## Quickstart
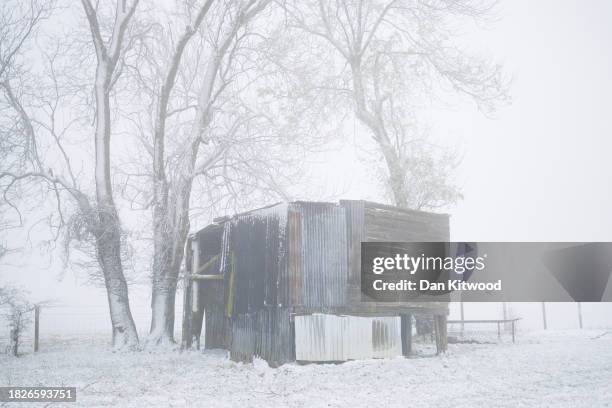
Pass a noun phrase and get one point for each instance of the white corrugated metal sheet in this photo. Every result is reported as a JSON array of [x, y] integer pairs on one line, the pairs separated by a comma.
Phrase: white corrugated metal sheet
[[323, 337]]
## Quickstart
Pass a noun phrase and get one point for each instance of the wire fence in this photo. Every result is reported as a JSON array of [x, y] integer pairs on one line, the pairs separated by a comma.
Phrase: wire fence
[[62, 326], [483, 331], [537, 315]]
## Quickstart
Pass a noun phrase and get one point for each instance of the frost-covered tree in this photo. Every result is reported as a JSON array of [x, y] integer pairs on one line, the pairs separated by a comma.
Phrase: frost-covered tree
[[17, 310], [387, 59], [107, 226], [207, 135], [42, 135], [185, 82], [170, 209]]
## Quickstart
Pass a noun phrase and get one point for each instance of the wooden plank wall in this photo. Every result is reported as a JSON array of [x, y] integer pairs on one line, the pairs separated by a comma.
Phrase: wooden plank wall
[[374, 222], [386, 223]]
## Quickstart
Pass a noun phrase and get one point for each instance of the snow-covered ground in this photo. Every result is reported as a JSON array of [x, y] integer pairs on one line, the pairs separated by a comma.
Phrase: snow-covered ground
[[556, 369]]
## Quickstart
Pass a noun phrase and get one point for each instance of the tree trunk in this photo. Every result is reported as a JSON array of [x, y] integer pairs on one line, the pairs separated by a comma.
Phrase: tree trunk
[[162, 313], [397, 175], [372, 119], [106, 225], [14, 342], [171, 219], [163, 287], [168, 242], [108, 231], [168, 257], [171, 211], [108, 246]]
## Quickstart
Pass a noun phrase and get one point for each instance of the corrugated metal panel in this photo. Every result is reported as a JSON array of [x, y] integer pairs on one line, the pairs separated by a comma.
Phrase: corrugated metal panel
[[386, 337], [355, 235], [323, 337], [257, 242], [244, 337], [259, 324], [251, 321], [275, 344], [291, 277], [324, 263], [216, 334], [265, 333]]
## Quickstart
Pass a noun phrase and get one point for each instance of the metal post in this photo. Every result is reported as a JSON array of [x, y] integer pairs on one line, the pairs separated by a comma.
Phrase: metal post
[[579, 314], [544, 315], [505, 315], [462, 318], [513, 321], [406, 333], [436, 333], [498, 331], [36, 326]]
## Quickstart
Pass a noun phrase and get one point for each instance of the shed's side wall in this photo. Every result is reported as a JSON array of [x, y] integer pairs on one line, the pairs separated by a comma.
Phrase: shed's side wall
[[248, 311]]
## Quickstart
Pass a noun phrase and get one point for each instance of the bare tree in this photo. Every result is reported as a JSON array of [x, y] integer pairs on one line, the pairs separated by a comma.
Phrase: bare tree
[[18, 24], [206, 132], [40, 155], [18, 312], [216, 136], [108, 231], [167, 254], [395, 55], [202, 125]]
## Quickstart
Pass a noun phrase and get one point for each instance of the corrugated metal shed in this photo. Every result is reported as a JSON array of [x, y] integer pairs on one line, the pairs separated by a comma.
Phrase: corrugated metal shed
[[303, 258]]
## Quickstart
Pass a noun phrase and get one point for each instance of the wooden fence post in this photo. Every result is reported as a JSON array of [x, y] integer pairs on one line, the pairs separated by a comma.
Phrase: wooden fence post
[[192, 249], [36, 326], [440, 323], [14, 342], [462, 318]]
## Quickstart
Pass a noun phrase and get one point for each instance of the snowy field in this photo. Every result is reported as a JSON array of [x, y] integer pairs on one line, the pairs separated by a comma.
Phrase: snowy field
[[555, 369]]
